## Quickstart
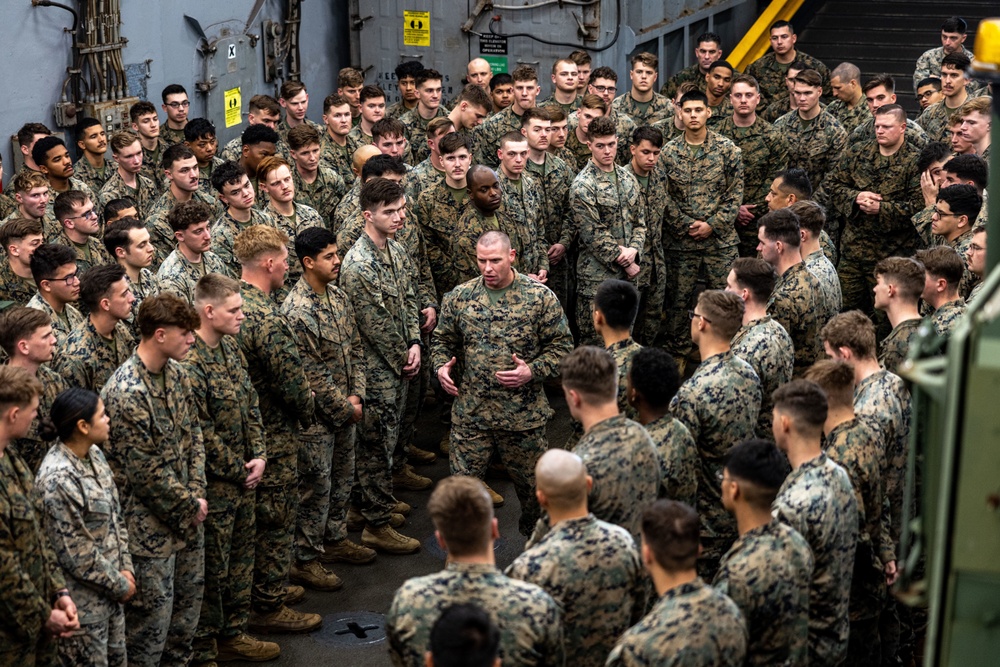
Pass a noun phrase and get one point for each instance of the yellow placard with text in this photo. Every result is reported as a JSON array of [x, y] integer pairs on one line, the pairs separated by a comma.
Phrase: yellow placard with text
[[416, 28], [234, 107]]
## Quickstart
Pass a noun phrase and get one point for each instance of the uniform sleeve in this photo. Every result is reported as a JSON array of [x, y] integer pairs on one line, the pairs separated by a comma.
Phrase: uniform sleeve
[[279, 355], [555, 339], [197, 483], [839, 183], [427, 292], [731, 197], [334, 406], [71, 365], [896, 213], [923, 68], [24, 608], [219, 456], [445, 339], [358, 377], [372, 315], [592, 229], [675, 219], [684, 409]]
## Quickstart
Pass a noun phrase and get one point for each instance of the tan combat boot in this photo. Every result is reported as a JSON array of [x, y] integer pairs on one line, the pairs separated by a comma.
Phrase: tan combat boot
[[385, 538], [356, 522], [245, 647], [284, 621], [346, 551], [494, 496], [294, 594], [401, 508], [410, 480], [312, 574], [421, 456]]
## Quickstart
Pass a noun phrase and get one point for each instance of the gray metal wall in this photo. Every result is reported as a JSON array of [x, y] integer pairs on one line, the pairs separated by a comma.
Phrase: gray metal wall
[[35, 51]]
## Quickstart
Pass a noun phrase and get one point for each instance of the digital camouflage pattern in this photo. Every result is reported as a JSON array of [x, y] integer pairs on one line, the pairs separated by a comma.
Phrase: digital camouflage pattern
[[146, 287], [929, 64], [678, 459], [170, 136], [849, 118], [820, 266], [348, 208], [622, 352], [88, 255], [522, 202], [894, 348], [283, 128], [934, 121], [471, 224], [817, 500], [593, 571], [770, 75], [530, 621], [914, 135], [652, 271], [814, 146], [767, 347], [797, 304], [89, 359], [302, 217], [416, 133], [719, 113], [225, 230], [179, 275], [691, 625], [554, 178], [62, 323], [233, 151], [767, 573], [94, 178], [337, 158], [323, 194], [947, 315], [691, 73], [32, 448], [144, 194], [160, 233], [567, 108], [486, 136], [438, 212], [643, 113], [152, 165], [13, 287]]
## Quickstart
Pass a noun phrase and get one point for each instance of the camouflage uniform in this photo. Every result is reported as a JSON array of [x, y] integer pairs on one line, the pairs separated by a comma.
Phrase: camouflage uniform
[[567, 108], [144, 195], [337, 158], [849, 118], [347, 208], [62, 323], [396, 109], [283, 128], [767, 573], [226, 229], [817, 500], [934, 121], [579, 149], [869, 238], [83, 523], [32, 448], [152, 167], [797, 304], [815, 145], [894, 348], [593, 571], [554, 178], [691, 73], [822, 268], [947, 315], [171, 136], [929, 64], [766, 346], [285, 398], [142, 289], [719, 404], [88, 359], [527, 321], [180, 276], [160, 233], [486, 136], [974, 294], [706, 185], [472, 224], [229, 415], [522, 202], [334, 362], [607, 213], [381, 290], [302, 218], [652, 279], [719, 113], [51, 228], [233, 151], [691, 625], [93, 177], [915, 135], [764, 151], [529, 619], [29, 572], [622, 352], [567, 156], [643, 113], [770, 75], [678, 459], [13, 287], [7, 205], [323, 194], [74, 184], [416, 134], [89, 254], [158, 457]]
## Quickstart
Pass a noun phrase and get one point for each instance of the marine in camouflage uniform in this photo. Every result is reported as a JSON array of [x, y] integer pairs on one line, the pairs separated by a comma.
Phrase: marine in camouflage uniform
[[554, 178], [593, 571], [946, 316], [152, 167], [644, 113], [814, 146], [678, 459], [32, 448], [487, 417], [820, 266], [770, 75], [607, 214], [285, 398], [766, 346], [282, 128], [160, 233], [226, 229], [93, 177], [719, 113], [531, 256], [690, 73], [88, 255], [934, 121], [233, 151], [157, 454], [622, 352], [171, 136], [348, 208], [704, 183], [929, 64], [552, 101], [416, 133], [530, 621], [147, 286], [719, 405], [888, 233], [334, 361], [438, 212], [179, 275], [764, 151], [62, 323], [767, 573], [74, 184], [915, 135], [796, 303], [323, 194], [335, 157], [229, 414], [691, 625], [302, 217], [144, 194], [83, 522], [522, 202], [818, 501], [894, 348], [486, 136], [849, 118], [13, 287], [7, 205], [652, 279], [88, 359], [30, 574]]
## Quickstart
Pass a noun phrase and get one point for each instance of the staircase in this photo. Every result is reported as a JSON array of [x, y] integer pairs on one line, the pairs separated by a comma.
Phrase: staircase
[[884, 35]]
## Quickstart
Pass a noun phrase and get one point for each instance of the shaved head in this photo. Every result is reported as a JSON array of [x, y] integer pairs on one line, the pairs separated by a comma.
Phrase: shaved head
[[562, 477], [362, 155]]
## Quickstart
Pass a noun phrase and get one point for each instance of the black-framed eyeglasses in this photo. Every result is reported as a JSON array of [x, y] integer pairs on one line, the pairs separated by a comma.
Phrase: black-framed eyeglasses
[[942, 214], [693, 315], [605, 89], [91, 214], [71, 278], [926, 94], [179, 105]]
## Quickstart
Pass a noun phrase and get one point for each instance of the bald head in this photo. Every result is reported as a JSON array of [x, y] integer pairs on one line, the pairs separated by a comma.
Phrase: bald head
[[479, 73], [561, 477], [362, 155]]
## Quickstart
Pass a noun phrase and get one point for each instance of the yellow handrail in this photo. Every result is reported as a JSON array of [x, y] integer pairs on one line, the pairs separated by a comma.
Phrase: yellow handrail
[[757, 40]]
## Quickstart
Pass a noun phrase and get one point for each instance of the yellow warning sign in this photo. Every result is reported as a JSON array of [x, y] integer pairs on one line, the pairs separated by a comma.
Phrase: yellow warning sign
[[234, 107], [416, 28]]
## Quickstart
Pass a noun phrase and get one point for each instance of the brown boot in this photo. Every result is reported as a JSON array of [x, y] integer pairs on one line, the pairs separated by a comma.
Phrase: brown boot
[[245, 647], [346, 551], [385, 538], [356, 522], [410, 480], [294, 594], [312, 574], [445, 444], [420, 456], [494, 496], [284, 621], [401, 508]]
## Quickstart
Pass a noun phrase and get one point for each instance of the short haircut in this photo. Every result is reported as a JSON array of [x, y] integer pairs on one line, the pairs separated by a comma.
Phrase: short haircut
[[556, 113], [805, 402], [983, 104], [955, 24], [199, 128], [943, 261], [18, 323], [796, 181], [836, 378], [809, 77], [96, 282], [591, 101], [312, 241], [721, 63], [380, 165], [266, 103], [348, 77], [604, 72], [388, 127], [258, 240], [114, 207], [963, 200], [122, 140], [464, 636], [560, 61], [380, 192], [934, 151], [493, 237], [580, 57], [259, 134], [756, 276], [884, 80], [334, 100], [511, 137], [618, 302], [708, 37], [172, 89], [166, 309], [65, 202], [454, 141], [591, 372], [214, 287], [116, 234], [906, 273], [601, 127], [140, 109], [846, 72], [797, 66], [957, 60], [302, 135], [47, 259], [426, 75], [645, 58], [694, 95], [408, 69], [759, 468], [969, 168], [40, 151], [269, 164], [502, 79], [535, 113], [746, 79], [174, 154], [441, 125], [893, 110], [475, 96], [290, 89], [85, 124], [647, 133], [782, 24], [524, 73], [812, 217], [462, 513], [28, 180], [17, 387], [654, 374], [932, 81], [228, 173], [188, 214], [724, 310], [371, 92], [27, 133], [17, 229], [781, 225], [670, 529], [853, 330]]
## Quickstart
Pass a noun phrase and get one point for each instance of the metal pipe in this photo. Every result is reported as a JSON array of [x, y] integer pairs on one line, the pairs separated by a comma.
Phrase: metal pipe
[[49, 3], [544, 3]]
